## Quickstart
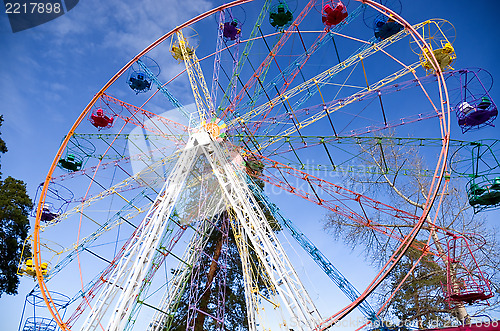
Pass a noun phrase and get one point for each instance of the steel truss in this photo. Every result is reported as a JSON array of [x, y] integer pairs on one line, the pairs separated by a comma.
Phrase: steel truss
[[125, 279]]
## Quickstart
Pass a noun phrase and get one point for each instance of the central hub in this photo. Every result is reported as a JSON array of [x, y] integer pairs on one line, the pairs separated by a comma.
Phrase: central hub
[[216, 128]]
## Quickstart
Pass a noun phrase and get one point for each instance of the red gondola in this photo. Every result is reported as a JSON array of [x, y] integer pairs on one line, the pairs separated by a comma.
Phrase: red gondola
[[101, 120], [466, 283], [333, 13]]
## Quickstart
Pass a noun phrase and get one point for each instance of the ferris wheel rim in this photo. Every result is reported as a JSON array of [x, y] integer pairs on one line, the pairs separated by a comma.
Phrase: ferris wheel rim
[[439, 171], [84, 113], [36, 249]]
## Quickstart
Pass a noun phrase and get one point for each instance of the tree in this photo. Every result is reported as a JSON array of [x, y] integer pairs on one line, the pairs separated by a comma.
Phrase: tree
[[15, 205], [235, 307], [219, 251], [419, 301], [235, 316], [399, 177]]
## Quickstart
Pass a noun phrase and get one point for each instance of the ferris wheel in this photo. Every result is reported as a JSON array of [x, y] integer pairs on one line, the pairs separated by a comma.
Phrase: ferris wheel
[[258, 95]]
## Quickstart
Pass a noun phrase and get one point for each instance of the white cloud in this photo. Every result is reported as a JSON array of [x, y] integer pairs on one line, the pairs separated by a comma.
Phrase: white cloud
[[123, 25]]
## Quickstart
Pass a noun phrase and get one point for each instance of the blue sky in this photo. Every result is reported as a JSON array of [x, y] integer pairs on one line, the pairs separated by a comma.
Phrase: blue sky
[[51, 72]]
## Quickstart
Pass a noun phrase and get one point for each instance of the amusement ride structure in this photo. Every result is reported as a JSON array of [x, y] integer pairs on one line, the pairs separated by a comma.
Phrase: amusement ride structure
[[300, 92]]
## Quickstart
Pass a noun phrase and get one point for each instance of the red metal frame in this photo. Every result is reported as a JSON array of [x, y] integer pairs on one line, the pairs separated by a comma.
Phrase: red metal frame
[[465, 282]]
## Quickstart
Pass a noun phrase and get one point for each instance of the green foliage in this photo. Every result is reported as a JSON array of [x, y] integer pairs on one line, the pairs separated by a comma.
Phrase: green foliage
[[3, 146], [235, 306], [235, 315], [420, 298], [14, 225], [15, 205]]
